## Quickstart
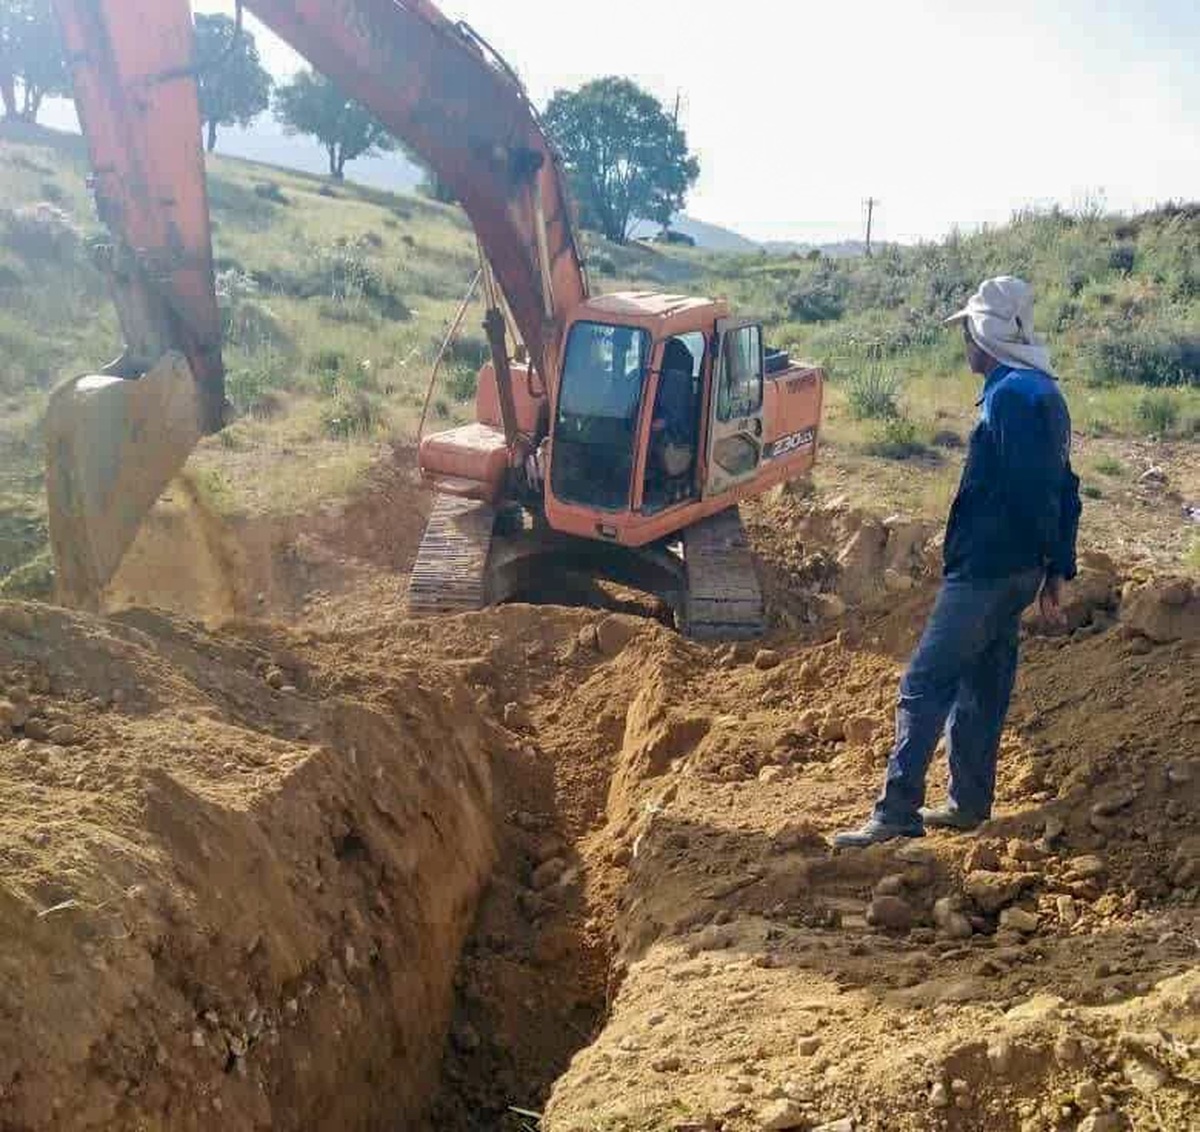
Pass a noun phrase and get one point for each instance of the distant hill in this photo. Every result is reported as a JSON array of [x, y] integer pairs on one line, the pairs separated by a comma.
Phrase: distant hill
[[266, 142], [843, 249]]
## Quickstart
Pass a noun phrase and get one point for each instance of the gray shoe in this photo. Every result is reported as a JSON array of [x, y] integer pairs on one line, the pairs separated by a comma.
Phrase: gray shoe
[[874, 833], [950, 817]]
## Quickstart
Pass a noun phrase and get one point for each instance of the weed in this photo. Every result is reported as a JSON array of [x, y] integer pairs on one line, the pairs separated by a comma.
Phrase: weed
[[41, 232], [462, 384], [1192, 559], [1091, 491], [467, 351], [1157, 413], [328, 360], [253, 389], [1122, 258], [1110, 466], [212, 488], [352, 413], [1146, 357], [32, 580], [349, 377], [818, 297], [896, 439], [270, 190], [873, 394]]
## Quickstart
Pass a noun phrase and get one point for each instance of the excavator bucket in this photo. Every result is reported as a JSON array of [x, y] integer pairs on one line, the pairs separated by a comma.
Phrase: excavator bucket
[[114, 442], [113, 445]]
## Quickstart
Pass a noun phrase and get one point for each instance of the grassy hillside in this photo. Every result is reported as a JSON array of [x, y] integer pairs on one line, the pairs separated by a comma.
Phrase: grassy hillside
[[1117, 298], [336, 299]]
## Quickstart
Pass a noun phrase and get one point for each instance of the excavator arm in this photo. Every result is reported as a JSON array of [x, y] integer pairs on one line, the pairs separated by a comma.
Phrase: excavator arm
[[114, 443]]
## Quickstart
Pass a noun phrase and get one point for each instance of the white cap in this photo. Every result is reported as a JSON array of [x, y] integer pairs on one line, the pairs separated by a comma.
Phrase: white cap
[[1000, 318]]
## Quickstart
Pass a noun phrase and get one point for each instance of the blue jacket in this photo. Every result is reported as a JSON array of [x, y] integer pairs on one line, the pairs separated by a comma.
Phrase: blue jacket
[[1017, 506]]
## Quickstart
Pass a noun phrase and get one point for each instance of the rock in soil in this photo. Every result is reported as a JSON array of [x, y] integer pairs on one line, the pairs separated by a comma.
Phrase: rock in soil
[[992, 891], [782, 1116], [890, 912], [1019, 920]]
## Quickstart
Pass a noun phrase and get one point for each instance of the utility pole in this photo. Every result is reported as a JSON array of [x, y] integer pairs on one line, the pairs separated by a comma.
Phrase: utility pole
[[871, 203]]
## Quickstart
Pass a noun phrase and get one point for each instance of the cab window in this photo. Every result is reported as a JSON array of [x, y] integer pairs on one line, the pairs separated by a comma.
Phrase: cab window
[[740, 383]]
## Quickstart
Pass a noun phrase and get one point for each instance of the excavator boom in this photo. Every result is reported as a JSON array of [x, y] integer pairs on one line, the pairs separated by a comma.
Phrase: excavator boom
[[116, 438]]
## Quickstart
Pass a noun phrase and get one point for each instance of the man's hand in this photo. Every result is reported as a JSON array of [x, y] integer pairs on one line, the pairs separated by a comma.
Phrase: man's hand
[[1050, 602]]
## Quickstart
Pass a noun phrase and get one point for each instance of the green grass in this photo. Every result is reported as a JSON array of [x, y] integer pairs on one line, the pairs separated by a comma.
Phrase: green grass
[[1191, 560], [335, 303], [1110, 466]]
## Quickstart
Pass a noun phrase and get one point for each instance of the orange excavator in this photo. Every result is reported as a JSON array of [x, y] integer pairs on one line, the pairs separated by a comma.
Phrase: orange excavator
[[615, 434]]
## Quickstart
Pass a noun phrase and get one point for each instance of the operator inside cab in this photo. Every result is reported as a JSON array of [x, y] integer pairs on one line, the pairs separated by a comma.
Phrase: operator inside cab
[[675, 425]]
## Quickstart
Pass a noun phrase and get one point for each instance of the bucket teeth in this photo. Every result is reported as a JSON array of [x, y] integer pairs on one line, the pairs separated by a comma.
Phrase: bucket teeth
[[723, 600], [450, 573]]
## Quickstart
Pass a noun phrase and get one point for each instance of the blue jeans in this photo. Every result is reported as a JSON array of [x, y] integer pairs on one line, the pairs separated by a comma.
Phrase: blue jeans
[[960, 679]]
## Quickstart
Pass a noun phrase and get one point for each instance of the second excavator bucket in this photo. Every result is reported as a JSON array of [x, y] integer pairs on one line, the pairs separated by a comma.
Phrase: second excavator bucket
[[113, 446]]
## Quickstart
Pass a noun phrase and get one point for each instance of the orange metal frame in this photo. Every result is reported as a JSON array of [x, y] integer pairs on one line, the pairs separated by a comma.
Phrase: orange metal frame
[[792, 403]]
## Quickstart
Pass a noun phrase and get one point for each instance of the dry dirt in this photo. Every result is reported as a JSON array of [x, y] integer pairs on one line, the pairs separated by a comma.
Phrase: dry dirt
[[276, 869]]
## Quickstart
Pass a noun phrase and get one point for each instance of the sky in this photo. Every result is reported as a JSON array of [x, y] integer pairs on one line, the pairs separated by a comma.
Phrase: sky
[[949, 113]]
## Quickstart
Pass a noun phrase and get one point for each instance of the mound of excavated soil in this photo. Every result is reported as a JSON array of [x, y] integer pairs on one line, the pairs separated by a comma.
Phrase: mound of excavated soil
[[234, 875], [1041, 974], [258, 876]]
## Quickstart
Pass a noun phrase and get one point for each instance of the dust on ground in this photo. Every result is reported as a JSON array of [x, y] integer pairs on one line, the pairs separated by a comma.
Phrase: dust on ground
[[357, 869]]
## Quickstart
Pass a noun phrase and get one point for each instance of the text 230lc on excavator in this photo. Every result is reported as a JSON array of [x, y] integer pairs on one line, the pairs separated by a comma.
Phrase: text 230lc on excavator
[[618, 446]]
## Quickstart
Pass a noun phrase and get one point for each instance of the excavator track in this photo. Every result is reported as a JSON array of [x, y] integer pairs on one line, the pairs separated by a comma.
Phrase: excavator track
[[450, 573], [723, 599]]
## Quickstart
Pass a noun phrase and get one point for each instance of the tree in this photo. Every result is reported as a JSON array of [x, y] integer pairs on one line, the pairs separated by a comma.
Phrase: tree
[[626, 156], [234, 86], [311, 104], [31, 57]]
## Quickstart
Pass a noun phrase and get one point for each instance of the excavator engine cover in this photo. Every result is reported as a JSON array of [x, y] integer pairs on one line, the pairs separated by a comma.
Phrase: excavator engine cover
[[113, 446]]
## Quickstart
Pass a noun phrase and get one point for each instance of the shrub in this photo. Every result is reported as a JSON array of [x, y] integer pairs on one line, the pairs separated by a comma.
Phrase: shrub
[[819, 297], [604, 265], [1146, 357], [896, 439], [462, 384], [1121, 258], [269, 190], [1157, 413], [336, 310], [328, 360], [467, 350], [873, 394], [253, 390], [41, 232], [352, 413], [1110, 466], [32, 580], [1091, 491], [253, 327], [349, 377]]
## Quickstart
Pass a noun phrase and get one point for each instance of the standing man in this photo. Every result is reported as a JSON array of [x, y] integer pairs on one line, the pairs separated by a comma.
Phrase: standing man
[[1011, 534]]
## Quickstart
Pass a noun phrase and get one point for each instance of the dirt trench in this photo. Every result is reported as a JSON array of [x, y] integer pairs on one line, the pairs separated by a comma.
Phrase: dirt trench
[[559, 869], [233, 878]]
